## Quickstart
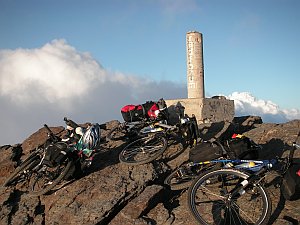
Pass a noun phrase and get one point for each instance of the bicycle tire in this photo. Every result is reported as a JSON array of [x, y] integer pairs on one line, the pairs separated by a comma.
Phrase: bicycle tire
[[178, 181], [143, 150], [30, 162], [218, 208], [45, 188]]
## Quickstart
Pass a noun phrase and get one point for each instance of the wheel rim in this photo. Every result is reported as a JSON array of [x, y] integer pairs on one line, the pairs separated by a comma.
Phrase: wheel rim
[[143, 149], [45, 177], [211, 202]]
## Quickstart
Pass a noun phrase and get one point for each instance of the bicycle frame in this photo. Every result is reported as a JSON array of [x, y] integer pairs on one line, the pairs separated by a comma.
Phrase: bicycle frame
[[265, 165], [234, 163]]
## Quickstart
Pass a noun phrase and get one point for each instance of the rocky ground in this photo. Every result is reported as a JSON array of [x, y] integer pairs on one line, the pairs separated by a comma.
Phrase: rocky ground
[[113, 193]]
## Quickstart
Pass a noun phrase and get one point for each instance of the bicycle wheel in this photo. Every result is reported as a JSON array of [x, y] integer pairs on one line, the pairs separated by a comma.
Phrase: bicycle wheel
[[211, 202], [143, 150], [184, 176], [46, 179], [22, 173]]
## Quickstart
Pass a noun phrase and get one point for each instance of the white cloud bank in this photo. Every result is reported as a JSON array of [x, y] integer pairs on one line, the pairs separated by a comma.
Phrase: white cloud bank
[[52, 73], [246, 104], [43, 85]]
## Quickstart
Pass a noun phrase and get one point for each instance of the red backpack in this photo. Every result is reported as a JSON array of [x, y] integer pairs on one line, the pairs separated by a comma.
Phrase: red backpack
[[148, 110]]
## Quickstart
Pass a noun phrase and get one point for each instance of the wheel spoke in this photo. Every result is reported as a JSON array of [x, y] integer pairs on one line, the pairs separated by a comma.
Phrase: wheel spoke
[[212, 203], [143, 150]]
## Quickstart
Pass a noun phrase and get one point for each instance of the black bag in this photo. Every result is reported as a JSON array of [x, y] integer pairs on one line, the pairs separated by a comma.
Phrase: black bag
[[206, 151], [132, 113], [290, 187], [55, 154], [241, 147]]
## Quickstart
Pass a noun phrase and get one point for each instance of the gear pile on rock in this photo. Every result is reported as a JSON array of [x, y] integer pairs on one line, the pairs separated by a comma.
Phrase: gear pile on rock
[[113, 193]]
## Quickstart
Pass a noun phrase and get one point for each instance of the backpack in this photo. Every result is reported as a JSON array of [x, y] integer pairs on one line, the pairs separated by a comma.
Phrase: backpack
[[290, 187], [206, 151], [241, 147], [238, 147], [132, 113]]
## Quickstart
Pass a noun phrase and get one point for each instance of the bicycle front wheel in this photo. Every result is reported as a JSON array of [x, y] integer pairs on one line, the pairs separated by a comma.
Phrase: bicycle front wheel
[[143, 150], [46, 179], [211, 202]]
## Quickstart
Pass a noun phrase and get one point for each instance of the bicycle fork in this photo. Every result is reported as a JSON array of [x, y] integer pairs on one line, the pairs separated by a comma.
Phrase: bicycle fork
[[240, 188]]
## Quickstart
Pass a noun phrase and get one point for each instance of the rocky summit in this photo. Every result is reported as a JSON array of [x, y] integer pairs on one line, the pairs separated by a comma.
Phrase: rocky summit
[[114, 193]]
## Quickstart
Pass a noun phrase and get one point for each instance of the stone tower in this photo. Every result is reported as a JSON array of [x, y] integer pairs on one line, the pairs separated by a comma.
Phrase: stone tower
[[206, 110], [194, 60]]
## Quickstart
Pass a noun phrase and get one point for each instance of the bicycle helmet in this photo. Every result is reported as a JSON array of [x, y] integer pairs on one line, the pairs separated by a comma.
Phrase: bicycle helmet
[[91, 137]]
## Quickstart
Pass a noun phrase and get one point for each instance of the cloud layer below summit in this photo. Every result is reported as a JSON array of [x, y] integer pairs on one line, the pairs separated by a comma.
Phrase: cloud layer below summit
[[43, 85]]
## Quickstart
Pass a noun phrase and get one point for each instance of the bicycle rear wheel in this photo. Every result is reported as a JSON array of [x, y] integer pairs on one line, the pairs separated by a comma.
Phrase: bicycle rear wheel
[[143, 150], [210, 200], [46, 179]]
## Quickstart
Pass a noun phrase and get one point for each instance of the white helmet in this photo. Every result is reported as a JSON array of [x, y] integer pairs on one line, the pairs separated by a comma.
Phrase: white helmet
[[91, 137], [79, 130]]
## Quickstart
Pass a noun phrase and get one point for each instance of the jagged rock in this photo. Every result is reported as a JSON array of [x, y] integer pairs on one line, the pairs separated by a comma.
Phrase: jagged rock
[[161, 215], [9, 156], [135, 208], [39, 138], [181, 213]]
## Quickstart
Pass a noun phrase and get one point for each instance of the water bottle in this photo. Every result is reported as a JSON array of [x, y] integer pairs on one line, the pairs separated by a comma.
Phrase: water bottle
[[245, 165], [249, 166]]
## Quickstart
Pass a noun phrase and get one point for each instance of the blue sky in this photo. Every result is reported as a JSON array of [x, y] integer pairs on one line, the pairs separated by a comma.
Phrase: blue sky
[[249, 46]]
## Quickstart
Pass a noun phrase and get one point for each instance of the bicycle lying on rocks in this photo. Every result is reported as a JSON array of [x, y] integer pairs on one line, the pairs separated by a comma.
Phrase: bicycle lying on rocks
[[57, 160], [184, 175], [236, 195], [153, 140]]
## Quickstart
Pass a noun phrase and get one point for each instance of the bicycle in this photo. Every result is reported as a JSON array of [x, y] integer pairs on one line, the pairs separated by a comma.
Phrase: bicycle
[[236, 195], [184, 175], [42, 173], [153, 140]]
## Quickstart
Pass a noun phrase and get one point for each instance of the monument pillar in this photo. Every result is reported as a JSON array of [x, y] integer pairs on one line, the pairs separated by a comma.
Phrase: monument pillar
[[195, 70], [206, 110]]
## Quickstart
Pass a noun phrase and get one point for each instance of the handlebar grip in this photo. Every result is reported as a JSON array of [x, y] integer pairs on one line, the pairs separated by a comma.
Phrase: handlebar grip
[[71, 123], [50, 133], [48, 129]]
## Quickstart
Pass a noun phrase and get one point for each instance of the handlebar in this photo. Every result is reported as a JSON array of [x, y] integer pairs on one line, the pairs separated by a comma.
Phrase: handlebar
[[50, 133], [71, 123]]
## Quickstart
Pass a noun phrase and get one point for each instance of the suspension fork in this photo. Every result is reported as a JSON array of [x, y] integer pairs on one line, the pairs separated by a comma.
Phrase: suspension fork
[[253, 179]]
